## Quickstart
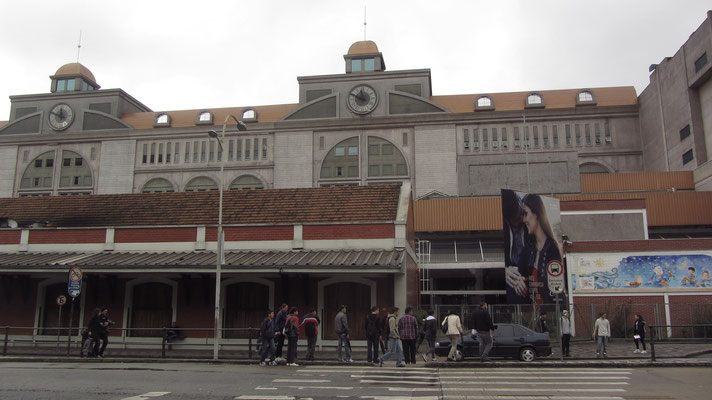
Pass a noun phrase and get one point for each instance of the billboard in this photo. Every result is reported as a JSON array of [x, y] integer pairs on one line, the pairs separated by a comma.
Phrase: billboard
[[532, 241], [639, 272]]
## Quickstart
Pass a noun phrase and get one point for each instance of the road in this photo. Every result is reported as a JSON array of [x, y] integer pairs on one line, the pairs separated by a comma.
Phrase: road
[[173, 381]]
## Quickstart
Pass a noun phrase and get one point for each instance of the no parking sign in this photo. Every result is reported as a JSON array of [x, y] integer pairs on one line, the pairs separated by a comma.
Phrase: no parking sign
[[75, 281]]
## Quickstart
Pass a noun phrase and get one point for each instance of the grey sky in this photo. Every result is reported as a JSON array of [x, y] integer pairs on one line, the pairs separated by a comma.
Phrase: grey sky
[[173, 55]]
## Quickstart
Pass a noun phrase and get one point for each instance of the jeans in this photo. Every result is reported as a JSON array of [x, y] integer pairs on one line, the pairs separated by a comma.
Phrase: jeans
[[372, 346], [291, 349], [311, 346], [344, 342], [409, 350], [394, 347], [565, 339], [279, 339], [104, 338], [431, 346], [602, 345], [485, 343], [267, 347], [454, 340]]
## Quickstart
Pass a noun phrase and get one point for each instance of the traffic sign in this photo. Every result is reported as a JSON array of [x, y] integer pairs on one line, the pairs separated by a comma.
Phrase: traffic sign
[[61, 300], [75, 281], [555, 275]]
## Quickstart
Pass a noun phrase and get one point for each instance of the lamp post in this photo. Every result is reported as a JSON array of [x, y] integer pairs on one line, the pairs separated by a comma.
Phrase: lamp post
[[220, 239]]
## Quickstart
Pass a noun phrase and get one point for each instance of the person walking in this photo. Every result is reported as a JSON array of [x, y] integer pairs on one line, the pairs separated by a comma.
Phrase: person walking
[[565, 333], [373, 335], [602, 332], [408, 329], [542, 324], [291, 330], [483, 325], [383, 326], [310, 323], [341, 325], [102, 333], [639, 333], [453, 332], [279, 320], [394, 343], [93, 328], [267, 334], [430, 332]]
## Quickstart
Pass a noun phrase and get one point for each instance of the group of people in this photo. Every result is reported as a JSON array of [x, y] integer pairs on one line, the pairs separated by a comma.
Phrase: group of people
[[95, 337], [602, 334], [285, 325]]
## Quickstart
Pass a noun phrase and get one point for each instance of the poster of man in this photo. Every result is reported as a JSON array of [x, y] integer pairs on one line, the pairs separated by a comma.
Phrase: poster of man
[[532, 239]]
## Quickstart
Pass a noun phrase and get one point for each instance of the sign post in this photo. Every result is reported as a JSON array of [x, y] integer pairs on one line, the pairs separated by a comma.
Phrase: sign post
[[555, 275], [74, 288], [61, 300]]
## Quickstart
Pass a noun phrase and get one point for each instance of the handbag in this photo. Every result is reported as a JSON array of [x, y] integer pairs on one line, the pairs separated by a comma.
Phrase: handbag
[[444, 326]]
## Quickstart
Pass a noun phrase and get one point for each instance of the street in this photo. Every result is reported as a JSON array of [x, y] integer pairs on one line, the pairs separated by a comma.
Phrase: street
[[172, 381]]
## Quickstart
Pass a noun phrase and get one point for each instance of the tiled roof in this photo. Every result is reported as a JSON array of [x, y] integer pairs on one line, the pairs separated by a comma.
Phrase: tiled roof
[[566, 98], [242, 260], [186, 118], [377, 203]]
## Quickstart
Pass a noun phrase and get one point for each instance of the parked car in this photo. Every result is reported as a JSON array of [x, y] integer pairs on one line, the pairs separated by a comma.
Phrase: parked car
[[509, 341]]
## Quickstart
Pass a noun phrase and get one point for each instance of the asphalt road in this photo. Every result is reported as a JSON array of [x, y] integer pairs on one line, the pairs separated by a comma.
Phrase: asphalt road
[[172, 381]]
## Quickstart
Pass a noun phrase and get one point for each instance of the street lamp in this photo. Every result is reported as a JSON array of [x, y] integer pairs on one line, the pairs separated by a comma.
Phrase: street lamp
[[219, 254]]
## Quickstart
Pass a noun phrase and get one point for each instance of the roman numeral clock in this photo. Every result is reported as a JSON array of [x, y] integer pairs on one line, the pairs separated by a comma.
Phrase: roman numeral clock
[[362, 99]]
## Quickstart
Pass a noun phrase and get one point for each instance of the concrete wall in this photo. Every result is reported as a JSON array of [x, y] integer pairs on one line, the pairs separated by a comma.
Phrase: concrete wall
[[293, 159], [435, 160], [603, 226], [8, 161], [116, 167]]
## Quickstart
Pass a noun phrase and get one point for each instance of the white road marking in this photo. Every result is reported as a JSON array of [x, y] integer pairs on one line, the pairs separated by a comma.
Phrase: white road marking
[[392, 382], [265, 388], [400, 397], [536, 372], [535, 383], [251, 397], [483, 390], [535, 397], [533, 377], [147, 395], [321, 387], [301, 380]]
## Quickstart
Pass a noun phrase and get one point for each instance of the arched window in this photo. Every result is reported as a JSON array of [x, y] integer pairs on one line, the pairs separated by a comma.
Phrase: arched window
[[585, 97], [247, 182], [39, 173], [205, 117], [384, 159], [157, 185], [201, 183], [484, 102], [249, 115], [162, 120], [534, 99], [75, 171], [593, 168], [341, 161]]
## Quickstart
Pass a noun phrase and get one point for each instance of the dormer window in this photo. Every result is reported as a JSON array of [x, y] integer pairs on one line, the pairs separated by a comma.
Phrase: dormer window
[[205, 118], [162, 120], [484, 103], [535, 100], [249, 115], [585, 97], [363, 65]]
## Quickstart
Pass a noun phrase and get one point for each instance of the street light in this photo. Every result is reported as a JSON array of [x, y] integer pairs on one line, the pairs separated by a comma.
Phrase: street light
[[221, 239]]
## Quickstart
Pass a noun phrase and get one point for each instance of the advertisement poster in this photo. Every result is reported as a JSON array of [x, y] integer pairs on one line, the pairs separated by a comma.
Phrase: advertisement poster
[[635, 272], [532, 240]]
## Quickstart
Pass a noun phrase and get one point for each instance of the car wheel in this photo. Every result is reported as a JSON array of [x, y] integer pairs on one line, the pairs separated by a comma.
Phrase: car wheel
[[527, 354]]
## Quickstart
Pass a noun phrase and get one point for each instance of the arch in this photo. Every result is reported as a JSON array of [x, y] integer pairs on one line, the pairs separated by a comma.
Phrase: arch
[[246, 182], [595, 167], [158, 185], [204, 118], [406, 103], [39, 173], [200, 183], [484, 102], [44, 313], [327, 311], [249, 115], [385, 159], [342, 160], [535, 100], [75, 171], [129, 309], [247, 316]]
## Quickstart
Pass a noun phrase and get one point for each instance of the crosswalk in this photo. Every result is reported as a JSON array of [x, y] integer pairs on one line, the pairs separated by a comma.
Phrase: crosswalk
[[355, 382]]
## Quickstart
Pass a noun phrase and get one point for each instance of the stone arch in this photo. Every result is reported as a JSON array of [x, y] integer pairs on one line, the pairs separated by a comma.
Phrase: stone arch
[[357, 312], [46, 310], [247, 181], [159, 316], [201, 183], [595, 167], [155, 185], [250, 316]]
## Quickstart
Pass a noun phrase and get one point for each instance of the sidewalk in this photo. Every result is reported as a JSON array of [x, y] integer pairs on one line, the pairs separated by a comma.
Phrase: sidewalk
[[620, 354]]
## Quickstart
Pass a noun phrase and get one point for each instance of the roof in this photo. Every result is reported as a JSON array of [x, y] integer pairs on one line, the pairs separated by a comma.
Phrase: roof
[[234, 260], [73, 69], [363, 47], [637, 181], [565, 98], [186, 118], [378, 203]]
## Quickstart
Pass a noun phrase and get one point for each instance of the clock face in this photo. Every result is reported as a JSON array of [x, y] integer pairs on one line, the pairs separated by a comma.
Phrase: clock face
[[362, 99], [60, 117]]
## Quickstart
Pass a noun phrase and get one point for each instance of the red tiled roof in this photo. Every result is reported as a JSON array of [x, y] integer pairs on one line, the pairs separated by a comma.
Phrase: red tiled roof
[[267, 206]]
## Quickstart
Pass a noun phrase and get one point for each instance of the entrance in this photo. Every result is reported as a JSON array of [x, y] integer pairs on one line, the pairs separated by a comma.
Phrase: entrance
[[151, 308], [357, 297], [246, 307]]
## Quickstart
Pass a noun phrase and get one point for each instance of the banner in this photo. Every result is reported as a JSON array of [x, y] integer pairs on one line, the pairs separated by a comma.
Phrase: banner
[[532, 240]]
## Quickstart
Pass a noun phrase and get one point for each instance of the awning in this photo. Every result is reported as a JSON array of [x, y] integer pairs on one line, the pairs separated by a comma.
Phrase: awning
[[343, 261]]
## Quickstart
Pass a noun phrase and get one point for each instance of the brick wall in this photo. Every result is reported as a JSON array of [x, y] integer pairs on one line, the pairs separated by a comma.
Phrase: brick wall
[[251, 233], [143, 235], [63, 236], [358, 231], [10, 237]]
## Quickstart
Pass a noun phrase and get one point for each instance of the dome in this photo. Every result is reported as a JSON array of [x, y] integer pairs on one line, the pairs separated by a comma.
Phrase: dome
[[363, 47], [75, 69]]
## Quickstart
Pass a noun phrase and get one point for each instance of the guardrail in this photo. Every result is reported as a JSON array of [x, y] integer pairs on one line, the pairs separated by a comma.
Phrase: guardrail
[[658, 337], [133, 337]]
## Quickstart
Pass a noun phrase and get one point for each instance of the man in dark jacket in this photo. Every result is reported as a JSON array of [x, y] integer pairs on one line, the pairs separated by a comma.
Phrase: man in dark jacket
[[291, 326], [102, 332], [310, 323], [93, 328], [279, 320], [373, 334], [483, 325], [267, 334], [430, 332], [542, 325], [341, 326]]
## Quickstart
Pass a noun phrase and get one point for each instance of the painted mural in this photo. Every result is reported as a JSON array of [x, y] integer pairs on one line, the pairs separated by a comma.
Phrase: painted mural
[[642, 272]]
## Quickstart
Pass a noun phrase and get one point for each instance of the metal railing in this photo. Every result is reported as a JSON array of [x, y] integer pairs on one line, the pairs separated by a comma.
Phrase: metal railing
[[664, 334]]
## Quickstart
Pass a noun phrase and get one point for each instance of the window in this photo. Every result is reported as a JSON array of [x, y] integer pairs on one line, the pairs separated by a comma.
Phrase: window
[[555, 135], [353, 150], [186, 157], [200, 184], [71, 84], [476, 138], [160, 153], [577, 130], [587, 133], [495, 140], [585, 97], [355, 65], [162, 120], [168, 152], [78, 174], [339, 151], [534, 99], [536, 136], [517, 138], [249, 115], [484, 103], [684, 132], [388, 162], [321, 142], [153, 153], [205, 117], [687, 157], [157, 185], [466, 135], [405, 138], [248, 145], [369, 64], [701, 62], [49, 163], [485, 139], [246, 182], [61, 85], [545, 136], [67, 162], [340, 161], [568, 135], [504, 139], [597, 130], [527, 144], [607, 129], [78, 162], [238, 153], [264, 149]]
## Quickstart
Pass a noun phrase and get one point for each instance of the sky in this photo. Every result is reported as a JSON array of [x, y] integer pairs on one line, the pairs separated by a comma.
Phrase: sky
[[177, 55]]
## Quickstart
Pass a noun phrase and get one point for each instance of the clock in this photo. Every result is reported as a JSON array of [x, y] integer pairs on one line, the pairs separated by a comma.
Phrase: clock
[[362, 99], [60, 117]]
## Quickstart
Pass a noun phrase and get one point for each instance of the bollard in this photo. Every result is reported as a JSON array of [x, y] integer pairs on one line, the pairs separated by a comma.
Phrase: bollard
[[163, 344], [249, 346], [4, 347], [652, 351]]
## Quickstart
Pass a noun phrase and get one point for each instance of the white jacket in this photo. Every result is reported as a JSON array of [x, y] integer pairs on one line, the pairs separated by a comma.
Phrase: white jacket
[[453, 325]]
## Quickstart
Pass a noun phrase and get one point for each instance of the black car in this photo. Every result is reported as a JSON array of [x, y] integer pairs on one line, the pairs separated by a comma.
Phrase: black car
[[509, 341]]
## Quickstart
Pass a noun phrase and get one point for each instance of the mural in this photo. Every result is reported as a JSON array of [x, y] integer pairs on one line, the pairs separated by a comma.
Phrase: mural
[[642, 272]]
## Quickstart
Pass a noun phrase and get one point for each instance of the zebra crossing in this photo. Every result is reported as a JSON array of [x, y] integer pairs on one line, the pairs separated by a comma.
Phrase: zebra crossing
[[420, 383]]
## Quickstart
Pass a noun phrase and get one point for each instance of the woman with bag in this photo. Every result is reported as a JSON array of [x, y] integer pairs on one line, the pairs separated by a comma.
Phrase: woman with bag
[[639, 333], [453, 329]]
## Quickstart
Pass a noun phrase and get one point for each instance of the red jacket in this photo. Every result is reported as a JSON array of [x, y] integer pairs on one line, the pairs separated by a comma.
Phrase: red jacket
[[294, 321]]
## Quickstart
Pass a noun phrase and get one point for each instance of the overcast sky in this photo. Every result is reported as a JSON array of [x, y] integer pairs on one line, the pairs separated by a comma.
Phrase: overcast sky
[[174, 55]]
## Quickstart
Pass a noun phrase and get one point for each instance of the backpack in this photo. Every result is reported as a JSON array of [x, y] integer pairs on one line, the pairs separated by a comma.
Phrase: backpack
[[289, 328], [444, 326]]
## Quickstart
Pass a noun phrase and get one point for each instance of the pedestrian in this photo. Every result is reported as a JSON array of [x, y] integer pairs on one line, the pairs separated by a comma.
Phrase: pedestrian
[[311, 322], [602, 332], [92, 331], [341, 325], [267, 335], [102, 333], [394, 343], [639, 333], [279, 320], [408, 329], [291, 330], [373, 335], [565, 333], [383, 325], [430, 332], [483, 325], [453, 331], [542, 324]]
